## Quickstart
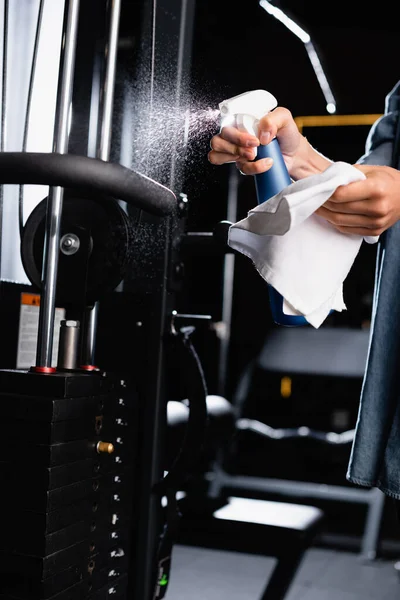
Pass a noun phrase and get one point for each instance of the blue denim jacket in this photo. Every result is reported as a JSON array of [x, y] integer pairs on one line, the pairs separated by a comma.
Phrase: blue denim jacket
[[375, 455]]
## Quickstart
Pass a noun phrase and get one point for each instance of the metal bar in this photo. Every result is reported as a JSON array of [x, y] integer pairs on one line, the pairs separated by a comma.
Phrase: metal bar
[[373, 498], [104, 147], [109, 82], [228, 286], [28, 108], [335, 120], [94, 110], [3, 106], [373, 524], [88, 338], [56, 194], [296, 488], [145, 541], [183, 60], [4, 77]]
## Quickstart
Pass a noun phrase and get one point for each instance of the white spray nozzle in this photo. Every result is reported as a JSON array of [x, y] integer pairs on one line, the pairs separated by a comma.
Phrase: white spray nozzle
[[255, 104], [245, 110]]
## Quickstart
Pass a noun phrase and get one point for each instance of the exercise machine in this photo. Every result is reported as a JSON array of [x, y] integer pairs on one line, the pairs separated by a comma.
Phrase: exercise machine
[[89, 465], [83, 515]]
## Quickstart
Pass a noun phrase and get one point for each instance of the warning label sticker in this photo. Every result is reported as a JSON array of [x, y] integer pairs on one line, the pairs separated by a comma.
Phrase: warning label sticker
[[28, 331]]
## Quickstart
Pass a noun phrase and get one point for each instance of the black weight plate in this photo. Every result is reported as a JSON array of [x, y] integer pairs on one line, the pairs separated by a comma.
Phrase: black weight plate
[[61, 454], [17, 476], [77, 555], [20, 542], [62, 584], [118, 486], [39, 524], [110, 233], [54, 386]]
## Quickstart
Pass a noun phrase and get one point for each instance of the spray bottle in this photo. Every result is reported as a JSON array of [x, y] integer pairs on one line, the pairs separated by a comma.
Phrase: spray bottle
[[244, 112]]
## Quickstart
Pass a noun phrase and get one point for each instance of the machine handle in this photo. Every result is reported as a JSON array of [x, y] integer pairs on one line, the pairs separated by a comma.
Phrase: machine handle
[[87, 174]]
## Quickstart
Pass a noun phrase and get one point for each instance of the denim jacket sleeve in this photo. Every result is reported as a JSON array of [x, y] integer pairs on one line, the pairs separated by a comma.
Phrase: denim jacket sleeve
[[379, 143], [375, 454]]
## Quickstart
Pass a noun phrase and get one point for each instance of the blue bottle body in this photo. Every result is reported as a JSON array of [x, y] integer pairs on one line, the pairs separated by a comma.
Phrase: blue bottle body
[[267, 185], [273, 181]]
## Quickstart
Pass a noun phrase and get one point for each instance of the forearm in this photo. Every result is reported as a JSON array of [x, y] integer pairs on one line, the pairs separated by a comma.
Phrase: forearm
[[308, 161]]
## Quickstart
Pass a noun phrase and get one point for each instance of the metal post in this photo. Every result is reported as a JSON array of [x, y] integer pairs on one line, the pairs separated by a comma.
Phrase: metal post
[[183, 65], [103, 150], [68, 345], [372, 529], [111, 49], [3, 105], [28, 109], [228, 286], [55, 199]]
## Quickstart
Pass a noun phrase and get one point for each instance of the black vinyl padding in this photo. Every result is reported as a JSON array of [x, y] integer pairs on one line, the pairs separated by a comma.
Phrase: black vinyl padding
[[87, 174], [220, 429]]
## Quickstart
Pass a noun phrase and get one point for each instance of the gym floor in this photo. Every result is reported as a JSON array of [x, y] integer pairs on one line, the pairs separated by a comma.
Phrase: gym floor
[[200, 574]]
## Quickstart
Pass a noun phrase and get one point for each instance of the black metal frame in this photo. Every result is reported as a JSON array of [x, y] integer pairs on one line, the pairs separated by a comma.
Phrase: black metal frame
[[148, 299]]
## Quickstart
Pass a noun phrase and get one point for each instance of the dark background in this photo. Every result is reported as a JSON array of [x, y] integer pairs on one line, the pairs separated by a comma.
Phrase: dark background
[[239, 48], [242, 48]]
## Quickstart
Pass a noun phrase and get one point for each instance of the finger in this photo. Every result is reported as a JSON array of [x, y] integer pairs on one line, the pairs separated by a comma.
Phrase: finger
[[237, 137], [256, 167], [270, 123], [221, 158], [223, 151], [217, 144], [232, 154], [350, 220], [353, 192], [360, 207]]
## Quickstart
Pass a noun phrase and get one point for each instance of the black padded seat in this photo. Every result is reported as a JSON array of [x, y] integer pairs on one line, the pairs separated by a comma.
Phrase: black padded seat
[[275, 529], [328, 351]]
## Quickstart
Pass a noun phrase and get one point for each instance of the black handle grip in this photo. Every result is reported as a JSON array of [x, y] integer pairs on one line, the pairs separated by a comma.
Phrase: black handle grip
[[87, 174], [221, 231]]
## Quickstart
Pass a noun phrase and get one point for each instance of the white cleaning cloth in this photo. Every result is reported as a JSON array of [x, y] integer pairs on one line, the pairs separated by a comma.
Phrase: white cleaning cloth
[[297, 252]]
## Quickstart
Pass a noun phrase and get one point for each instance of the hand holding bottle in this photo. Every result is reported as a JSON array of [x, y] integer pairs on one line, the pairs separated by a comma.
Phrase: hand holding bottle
[[234, 145]]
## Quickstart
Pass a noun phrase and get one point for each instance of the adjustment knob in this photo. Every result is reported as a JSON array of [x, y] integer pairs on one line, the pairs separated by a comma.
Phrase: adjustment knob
[[105, 447]]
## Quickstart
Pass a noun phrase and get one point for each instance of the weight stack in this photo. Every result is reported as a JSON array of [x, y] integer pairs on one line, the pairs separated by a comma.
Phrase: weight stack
[[66, 480]]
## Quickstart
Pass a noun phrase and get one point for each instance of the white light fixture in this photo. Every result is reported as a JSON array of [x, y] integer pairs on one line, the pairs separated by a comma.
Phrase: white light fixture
[[312, 54]]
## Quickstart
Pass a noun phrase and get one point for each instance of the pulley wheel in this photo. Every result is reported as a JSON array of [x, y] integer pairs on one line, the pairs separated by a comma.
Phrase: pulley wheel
[[95, 236]]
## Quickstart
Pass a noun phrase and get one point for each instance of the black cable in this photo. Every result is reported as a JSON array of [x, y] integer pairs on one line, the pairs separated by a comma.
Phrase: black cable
[[187, 457], [193, 442], [28, 111]]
